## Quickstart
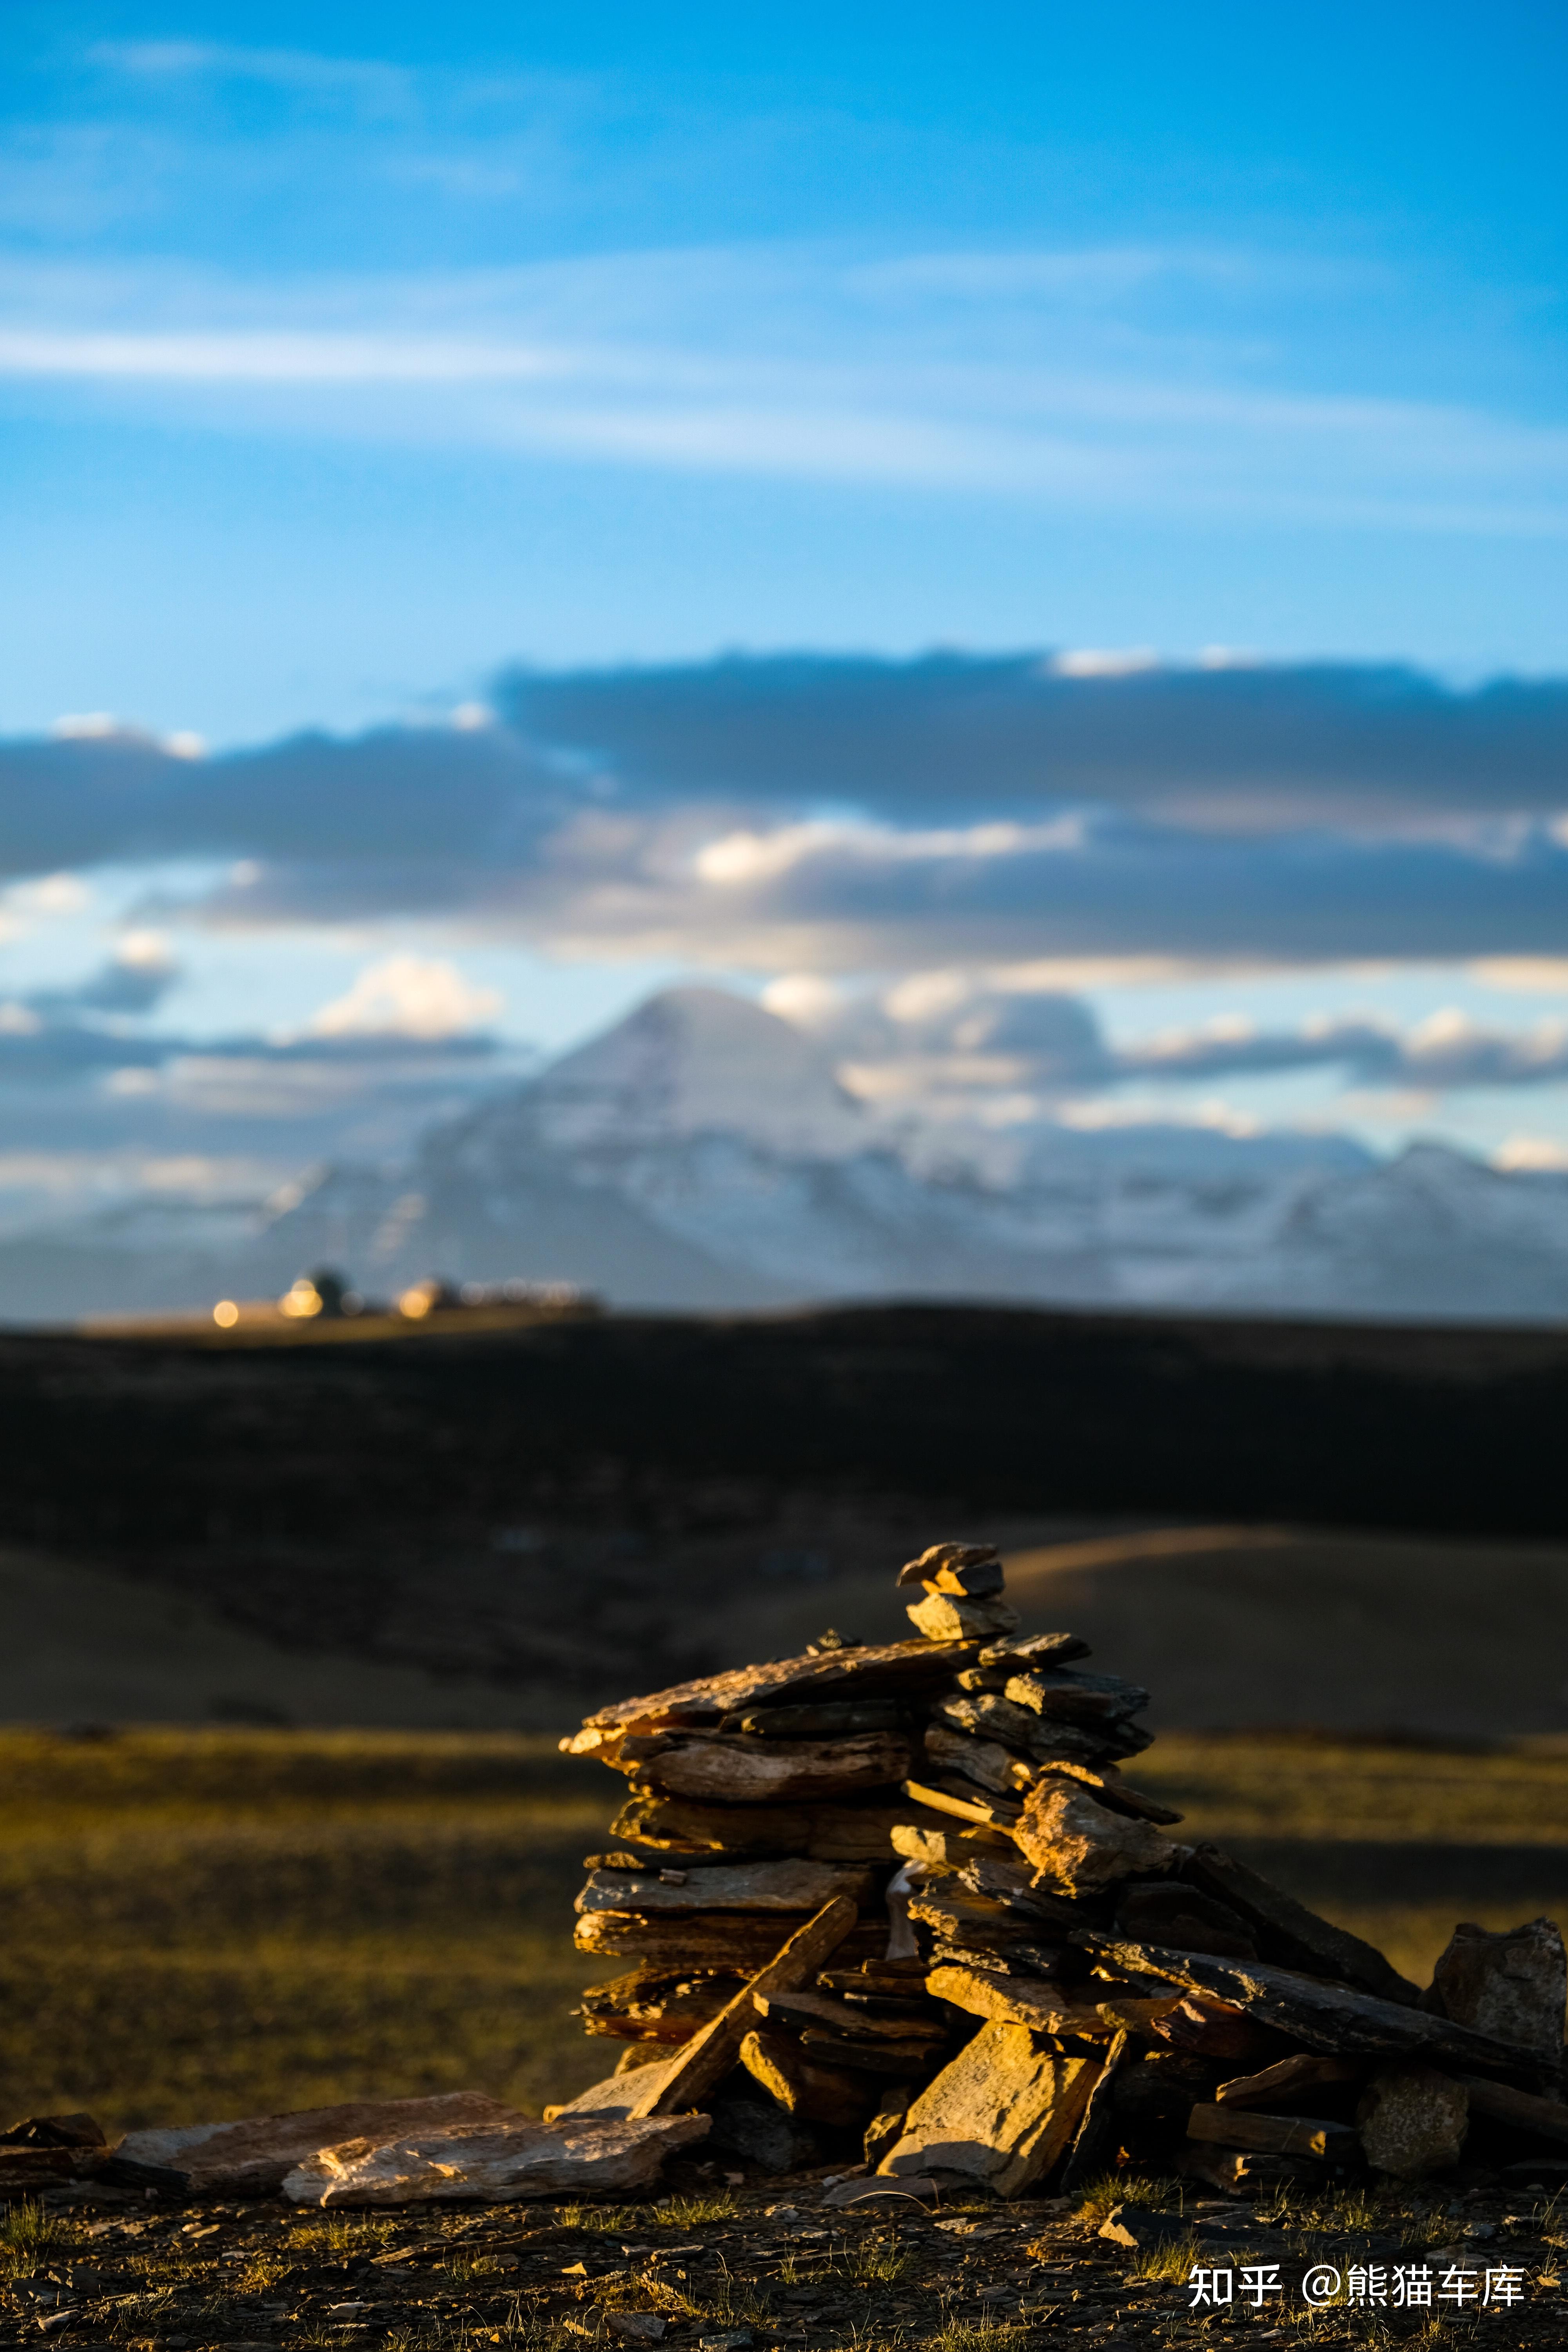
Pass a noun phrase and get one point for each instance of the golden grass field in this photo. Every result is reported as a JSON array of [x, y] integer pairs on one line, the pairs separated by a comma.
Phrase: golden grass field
[[200, 1924]]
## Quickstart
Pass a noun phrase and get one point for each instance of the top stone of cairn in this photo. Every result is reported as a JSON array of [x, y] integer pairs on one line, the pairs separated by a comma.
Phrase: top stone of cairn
[[962, 1592]]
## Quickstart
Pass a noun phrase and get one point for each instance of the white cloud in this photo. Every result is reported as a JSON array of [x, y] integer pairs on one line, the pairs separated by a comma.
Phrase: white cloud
[[1524, 1152], [737, 859], [1524, 975], [1089, 661], [928, 996], [144, 950], [407, 996], [49, 896], [805, 998]]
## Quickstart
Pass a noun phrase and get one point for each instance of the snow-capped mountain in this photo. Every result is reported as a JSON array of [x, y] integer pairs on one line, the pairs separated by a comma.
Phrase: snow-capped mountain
[[703, 1153]]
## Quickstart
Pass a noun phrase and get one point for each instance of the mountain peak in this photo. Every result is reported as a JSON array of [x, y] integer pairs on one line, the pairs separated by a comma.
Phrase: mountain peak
[[691, 1061]]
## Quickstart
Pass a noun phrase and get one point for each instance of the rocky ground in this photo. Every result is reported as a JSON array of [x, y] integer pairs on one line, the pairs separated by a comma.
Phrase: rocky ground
[[766, 2264]]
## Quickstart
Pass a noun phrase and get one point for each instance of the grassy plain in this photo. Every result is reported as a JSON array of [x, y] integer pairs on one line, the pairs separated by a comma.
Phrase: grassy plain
[[220, 1922]]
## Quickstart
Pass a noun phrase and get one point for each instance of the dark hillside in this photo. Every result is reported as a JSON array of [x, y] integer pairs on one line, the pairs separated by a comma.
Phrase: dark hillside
[[667, 1423]]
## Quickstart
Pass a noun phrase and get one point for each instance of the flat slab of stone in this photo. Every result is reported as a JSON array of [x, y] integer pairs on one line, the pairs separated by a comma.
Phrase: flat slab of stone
[[735, 1769], [871, 1670], [985, 1761], [252, 2156], [1169, 1912], [963, 1800], [795, 2010], [991, 1716], [1246, 2127], [496, 2163], [740, 1940], [697, 1830], [974, 1923], [1050, 1689], [617, 2095], [1523, 2109], [1289, 1934], [1001, 2113], [828, 1718], [1035, 1650], [1335, 2020], [1289, 2077], [1017, 2000], [794, 1886]]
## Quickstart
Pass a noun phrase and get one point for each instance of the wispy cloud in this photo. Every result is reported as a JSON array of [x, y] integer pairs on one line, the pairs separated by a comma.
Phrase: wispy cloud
[[798, 363], [371, 86], [274, 357]]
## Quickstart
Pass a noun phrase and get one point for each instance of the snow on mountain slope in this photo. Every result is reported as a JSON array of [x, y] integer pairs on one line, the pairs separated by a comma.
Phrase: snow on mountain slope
[[1431, 1232], [703, 1153], [694, 1061]]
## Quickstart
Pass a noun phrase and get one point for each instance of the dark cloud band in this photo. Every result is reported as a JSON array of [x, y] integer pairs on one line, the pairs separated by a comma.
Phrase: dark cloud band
[[956, 735], [865, 815]]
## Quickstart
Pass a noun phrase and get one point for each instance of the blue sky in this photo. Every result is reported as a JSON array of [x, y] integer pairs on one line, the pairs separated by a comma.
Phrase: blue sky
[[351, 357]]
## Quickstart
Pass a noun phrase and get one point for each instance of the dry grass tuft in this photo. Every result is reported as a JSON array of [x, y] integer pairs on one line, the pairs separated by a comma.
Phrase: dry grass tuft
[[344, 2234], [989, 2335], [880, 2261], [25, 2230], [1112, 2189], [1172, 2262], [606, 2220], [688, 2212]]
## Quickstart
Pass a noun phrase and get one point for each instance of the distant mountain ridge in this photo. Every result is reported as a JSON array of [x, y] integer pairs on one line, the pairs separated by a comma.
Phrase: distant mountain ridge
[[702, 1153]]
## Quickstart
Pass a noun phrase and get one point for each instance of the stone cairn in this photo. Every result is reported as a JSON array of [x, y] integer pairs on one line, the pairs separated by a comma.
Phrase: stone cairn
[[896, 1903]]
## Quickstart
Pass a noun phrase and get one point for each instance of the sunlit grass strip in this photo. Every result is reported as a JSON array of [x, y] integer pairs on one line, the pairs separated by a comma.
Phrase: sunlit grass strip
[[1101, 2197]]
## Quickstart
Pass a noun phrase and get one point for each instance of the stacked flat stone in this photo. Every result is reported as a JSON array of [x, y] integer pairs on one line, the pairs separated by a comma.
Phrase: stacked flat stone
[[755, 1799], [984, 1957]]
